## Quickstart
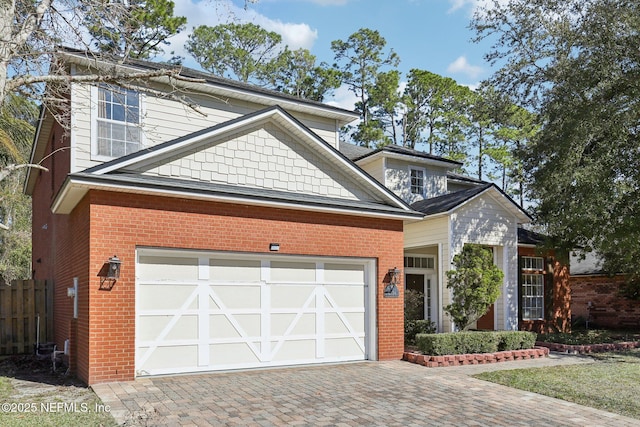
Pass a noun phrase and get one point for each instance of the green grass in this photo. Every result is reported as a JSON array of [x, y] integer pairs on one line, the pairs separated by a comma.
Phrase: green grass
[[611, 383]]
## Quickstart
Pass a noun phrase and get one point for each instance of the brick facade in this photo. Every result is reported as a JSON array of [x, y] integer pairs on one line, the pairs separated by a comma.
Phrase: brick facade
[[608, 309], [105, 223], [557, 299]]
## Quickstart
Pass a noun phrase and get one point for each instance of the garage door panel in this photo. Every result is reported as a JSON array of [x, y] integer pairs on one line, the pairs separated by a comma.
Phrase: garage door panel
[[235, 296], [234, 355], [344, 273], [292, 296], [284, 271], [154, 327], [238, 325], [233, 270], [342, 348], [240, 313], [166, 296], [302, 349], [159, 268], [170, 358], [344, 295]]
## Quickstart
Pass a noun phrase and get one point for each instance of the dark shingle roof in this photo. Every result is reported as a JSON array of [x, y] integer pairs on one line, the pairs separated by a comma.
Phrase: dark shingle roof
[[239, 191], [441, 204], [528, 237], [392, 148], [351, 151], [204, 76]]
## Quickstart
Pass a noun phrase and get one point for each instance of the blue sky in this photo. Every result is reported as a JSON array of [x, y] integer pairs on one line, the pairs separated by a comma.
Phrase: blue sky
[[427, 34]]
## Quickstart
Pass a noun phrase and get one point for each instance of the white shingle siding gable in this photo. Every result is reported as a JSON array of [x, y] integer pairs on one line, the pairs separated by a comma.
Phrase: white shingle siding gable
[[485, 221], [398, 179], [165, 120], [265, 157]]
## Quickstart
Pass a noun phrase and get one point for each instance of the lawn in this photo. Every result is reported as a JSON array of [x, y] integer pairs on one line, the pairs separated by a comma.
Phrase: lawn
[[611, 383], [42, 398]]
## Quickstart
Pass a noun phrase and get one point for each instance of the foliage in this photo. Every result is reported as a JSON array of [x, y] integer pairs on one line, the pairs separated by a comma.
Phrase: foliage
[[360, 59], [296, 73], [591, 336], [475, 283], [515, 340], [474, 342], [413, 305], [610, 385], [16, 134], [576, 65], [137, 30], [244, 52], [415, 327], [435, 109]]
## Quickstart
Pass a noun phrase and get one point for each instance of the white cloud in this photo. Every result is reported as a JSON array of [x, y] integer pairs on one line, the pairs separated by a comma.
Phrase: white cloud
[[472, 5], [343, 98], [462, 66], [211, 13], [295, 36]]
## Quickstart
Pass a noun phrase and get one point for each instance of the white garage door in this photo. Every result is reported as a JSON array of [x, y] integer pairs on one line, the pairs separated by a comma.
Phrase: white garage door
[[213, 311]]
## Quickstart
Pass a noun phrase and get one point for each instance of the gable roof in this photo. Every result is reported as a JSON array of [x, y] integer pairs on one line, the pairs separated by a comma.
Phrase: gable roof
[[449, 202], [404, 153], [528, 237], [116, 175], [204, 82]]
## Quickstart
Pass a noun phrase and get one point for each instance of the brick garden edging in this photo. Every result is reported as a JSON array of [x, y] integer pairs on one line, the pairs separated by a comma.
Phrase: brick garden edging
[[588, 348], [474, 359]]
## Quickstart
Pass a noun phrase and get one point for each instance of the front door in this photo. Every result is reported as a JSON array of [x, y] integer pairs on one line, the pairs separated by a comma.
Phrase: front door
[[415, 282], [487, 321]]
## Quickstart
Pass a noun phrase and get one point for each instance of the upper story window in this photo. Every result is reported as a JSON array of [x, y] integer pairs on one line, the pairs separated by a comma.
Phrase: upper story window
[[417, 181], [117, 122]]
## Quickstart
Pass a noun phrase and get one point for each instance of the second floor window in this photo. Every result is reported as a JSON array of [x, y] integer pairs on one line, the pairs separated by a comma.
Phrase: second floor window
[[417, 181], [118, 122]]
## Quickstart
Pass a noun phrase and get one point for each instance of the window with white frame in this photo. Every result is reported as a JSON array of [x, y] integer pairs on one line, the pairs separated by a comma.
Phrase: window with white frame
[[117, 122], [417, 181], [419, 262], [532, 288]]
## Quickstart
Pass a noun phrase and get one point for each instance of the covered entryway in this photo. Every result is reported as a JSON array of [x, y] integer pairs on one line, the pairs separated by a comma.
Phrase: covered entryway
[[200, 311]]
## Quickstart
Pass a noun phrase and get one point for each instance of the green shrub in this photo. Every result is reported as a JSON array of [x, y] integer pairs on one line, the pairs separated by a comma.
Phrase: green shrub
[[474, 342], [516, 340], [414, 327]]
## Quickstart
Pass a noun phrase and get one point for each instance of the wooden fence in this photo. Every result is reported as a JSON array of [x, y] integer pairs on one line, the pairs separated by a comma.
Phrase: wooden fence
[[22, 303]]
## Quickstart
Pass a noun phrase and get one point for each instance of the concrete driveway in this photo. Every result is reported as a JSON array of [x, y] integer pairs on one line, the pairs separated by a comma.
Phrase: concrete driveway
[[392, 393]]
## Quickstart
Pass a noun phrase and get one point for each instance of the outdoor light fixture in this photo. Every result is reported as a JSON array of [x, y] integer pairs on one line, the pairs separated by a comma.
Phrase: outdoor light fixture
[[391, 290], [274, 247], [110, 273]]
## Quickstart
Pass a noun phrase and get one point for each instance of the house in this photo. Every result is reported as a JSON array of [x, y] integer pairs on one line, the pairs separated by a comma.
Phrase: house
[[597, 298], [243, 234], [459, 210], [245, 238]]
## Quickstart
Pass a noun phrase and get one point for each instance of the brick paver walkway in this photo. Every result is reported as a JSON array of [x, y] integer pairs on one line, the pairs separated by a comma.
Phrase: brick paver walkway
[[391, 393]]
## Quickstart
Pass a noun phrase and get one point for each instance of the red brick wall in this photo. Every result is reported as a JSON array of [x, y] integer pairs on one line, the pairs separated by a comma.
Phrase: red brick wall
[[120, 222], [558, 316], [608, 310], [58, 241]]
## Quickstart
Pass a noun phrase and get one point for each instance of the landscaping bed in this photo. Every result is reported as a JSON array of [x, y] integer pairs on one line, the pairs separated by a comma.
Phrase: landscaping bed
[[473, 358], [589, 341]]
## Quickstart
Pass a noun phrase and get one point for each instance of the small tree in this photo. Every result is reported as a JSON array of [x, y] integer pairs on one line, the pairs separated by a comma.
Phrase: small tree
[[475, 284]]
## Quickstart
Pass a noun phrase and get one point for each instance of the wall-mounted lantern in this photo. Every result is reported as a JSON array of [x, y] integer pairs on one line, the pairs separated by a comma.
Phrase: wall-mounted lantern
[[110, 273], [391, 289]]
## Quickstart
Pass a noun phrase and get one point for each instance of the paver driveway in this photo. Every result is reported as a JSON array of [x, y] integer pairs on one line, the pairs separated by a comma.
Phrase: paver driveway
[[392, 393]]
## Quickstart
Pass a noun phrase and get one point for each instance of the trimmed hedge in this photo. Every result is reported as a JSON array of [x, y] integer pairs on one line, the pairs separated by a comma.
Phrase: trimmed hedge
[[474, 342], [414, 327]]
